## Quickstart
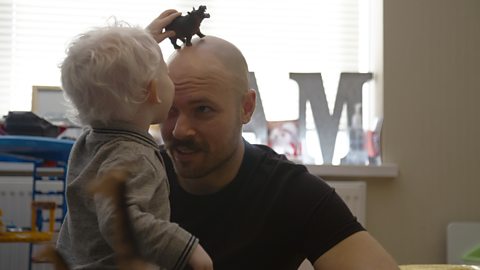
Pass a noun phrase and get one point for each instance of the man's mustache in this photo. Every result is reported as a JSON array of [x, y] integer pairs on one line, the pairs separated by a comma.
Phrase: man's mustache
[[188, 144]]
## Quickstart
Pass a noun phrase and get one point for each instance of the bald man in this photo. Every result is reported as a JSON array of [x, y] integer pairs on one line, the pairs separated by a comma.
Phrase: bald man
[[250, 208]]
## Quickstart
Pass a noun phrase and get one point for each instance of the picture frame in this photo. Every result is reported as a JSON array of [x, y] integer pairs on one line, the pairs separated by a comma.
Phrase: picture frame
[[49, 103], [284, 138]]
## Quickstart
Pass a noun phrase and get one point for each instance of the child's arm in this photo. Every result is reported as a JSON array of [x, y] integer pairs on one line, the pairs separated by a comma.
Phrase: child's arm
[[157, 240], [157, 26], [200, 259]]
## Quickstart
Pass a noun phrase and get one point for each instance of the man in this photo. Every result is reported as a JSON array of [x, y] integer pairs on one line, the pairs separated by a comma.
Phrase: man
[[250, 208]]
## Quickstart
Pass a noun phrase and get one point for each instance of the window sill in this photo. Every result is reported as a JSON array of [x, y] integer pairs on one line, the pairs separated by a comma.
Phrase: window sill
[[384, 171]]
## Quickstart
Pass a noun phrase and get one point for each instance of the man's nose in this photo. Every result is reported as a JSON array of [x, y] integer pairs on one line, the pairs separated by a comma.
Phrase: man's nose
[[183, 127]]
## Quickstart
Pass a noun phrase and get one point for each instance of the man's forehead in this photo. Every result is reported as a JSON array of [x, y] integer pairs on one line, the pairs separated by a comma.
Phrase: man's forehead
[[199, 71], [201, 81], [192, 96]]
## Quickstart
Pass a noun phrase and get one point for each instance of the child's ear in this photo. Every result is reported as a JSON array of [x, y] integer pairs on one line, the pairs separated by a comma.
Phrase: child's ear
[[152, 92]]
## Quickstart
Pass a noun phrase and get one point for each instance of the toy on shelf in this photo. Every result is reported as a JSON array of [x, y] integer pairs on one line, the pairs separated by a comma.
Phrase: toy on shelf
[[35, 235], [49, 157], [187, 26]]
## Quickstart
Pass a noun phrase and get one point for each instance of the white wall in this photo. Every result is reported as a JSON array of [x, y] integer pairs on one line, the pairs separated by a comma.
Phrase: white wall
[[431, 128]]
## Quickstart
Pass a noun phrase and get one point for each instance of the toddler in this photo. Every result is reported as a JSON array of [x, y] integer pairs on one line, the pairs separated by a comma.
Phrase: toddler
[[118, 82]]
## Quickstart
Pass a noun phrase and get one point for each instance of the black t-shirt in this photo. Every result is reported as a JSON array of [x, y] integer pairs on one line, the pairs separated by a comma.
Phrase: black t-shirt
[[273, 215]]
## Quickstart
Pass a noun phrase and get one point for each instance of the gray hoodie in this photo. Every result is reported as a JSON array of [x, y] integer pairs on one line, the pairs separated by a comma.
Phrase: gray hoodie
[[86, 235]]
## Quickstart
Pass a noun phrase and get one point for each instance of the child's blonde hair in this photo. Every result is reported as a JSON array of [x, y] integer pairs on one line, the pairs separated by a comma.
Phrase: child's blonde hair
[[107, 70]]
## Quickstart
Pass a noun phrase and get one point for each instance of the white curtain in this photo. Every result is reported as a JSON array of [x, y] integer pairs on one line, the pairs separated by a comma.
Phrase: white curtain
[[277, 37]]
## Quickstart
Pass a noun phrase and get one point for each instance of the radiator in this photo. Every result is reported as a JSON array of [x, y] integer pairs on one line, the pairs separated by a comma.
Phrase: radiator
[[15, 199], [354, 193]]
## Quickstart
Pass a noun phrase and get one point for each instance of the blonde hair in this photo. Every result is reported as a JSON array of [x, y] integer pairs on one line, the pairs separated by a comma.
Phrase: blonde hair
[[107, 70]]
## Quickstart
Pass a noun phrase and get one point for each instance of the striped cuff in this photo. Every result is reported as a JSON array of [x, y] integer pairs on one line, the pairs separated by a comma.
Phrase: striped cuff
[[186, 253]]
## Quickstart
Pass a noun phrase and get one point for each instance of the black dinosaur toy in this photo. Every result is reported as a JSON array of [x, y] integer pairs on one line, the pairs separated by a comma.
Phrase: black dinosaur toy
[[187, 26]]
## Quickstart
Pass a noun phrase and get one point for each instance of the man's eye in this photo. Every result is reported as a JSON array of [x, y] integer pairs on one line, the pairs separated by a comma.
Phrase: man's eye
[[204, 109]]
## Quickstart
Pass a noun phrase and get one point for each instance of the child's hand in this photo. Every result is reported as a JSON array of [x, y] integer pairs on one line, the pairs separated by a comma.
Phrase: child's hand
[[200, 260], [157, 26]]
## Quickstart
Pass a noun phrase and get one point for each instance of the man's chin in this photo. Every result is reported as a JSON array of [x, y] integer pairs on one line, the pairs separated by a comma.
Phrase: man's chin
[[185, 166], [187, 173]]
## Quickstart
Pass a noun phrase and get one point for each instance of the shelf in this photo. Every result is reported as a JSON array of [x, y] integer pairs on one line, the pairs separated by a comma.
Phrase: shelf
[[16, 168], [326, 171], [354, 171], [26, 169]]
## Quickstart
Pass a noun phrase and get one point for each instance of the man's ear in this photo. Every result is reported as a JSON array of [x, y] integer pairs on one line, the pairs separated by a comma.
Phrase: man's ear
[[248, 105], [153, 92]]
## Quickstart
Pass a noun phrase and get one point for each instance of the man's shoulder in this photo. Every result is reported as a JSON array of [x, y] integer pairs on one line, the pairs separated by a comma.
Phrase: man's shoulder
[[278, 167], [276, 163], [267, 152]]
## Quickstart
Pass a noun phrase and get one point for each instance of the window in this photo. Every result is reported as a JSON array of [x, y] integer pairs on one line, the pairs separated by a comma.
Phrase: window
[[310, 36]]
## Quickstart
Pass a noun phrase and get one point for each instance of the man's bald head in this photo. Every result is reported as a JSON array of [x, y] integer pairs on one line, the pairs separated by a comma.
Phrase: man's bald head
[[210, 55]]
